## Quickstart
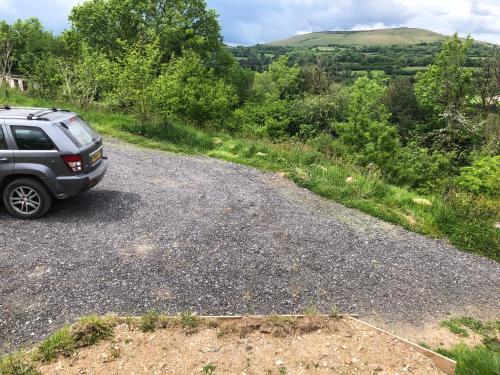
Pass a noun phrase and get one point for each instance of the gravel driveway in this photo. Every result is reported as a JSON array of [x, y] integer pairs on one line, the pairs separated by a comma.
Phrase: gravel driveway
[[173, 233]]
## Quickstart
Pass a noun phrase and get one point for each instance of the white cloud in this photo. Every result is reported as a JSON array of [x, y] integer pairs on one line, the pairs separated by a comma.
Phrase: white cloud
[[250, 22], [262, 20]]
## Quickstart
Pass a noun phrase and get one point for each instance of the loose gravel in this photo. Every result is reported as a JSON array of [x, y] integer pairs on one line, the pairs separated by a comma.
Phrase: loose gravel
[[175, 233]]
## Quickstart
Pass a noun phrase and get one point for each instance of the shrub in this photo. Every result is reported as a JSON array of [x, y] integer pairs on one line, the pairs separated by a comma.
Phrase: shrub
[[482, 177], [419, 167], [367, 130], [188, 90], [314, 114], [269, 118]]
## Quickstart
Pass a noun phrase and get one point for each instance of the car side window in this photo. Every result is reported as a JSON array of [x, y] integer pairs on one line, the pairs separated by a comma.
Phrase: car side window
[[31, 138], [3, 144]]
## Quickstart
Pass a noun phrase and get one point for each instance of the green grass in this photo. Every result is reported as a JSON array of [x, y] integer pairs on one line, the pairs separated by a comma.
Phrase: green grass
[[467, 222], [188, 320], [209, 369], [87, 331], [382, 37], [455, 328], [479, 360], [148, 321]]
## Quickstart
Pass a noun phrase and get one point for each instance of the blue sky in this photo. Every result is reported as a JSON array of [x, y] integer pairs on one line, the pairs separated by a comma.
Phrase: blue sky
[[256, 21]]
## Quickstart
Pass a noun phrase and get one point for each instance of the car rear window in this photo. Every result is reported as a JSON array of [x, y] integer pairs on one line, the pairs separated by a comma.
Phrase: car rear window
[[3, 145], [31, 138], [82, 132]]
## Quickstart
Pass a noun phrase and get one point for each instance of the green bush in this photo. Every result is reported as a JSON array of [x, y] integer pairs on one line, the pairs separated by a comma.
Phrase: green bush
[[190, 91], [314, 114], [482, 177], [418, 167], [367, 129], [270, 118]]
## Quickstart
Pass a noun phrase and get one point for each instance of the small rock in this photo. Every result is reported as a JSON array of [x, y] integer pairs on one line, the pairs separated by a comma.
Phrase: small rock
[[279, 362], [422, 201], [378, 368], [497, 225], [350, 180], [344, 347], [260, 154]]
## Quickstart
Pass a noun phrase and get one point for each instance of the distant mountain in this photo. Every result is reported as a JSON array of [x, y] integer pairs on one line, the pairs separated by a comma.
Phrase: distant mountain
[[381, 37]]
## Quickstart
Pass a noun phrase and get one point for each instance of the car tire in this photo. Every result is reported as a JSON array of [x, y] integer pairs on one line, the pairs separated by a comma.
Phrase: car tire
[[27, 198]]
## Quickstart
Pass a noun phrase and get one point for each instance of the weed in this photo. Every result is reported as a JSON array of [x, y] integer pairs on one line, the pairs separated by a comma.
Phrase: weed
[[209, 369], [221, 333], [148, 321], [484, 329], [282, 370], [114, 353], [188, 320], [335, 312], [311, 311], [425, 345], [60, 343], [213, 324], [454, 327], [90, 330], [17, 363]]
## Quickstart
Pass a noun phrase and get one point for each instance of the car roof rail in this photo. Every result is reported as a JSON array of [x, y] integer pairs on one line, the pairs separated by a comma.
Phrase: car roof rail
[[29, 117]]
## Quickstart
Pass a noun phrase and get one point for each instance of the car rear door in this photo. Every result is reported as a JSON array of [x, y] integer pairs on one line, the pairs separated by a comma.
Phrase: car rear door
[[34, 151], [6, 154]]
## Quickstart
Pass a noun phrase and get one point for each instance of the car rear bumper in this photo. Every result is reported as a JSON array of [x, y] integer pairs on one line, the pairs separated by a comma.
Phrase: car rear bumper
[[69, 186]]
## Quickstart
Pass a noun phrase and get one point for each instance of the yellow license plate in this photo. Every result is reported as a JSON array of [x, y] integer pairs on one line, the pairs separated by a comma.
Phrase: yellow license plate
[[96, 156]]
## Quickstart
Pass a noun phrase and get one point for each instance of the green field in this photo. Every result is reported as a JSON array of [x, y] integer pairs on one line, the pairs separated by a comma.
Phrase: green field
[[382, 37]]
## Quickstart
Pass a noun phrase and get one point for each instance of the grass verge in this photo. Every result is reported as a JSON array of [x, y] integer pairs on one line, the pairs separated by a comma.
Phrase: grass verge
[[467, 222], [481, 359]]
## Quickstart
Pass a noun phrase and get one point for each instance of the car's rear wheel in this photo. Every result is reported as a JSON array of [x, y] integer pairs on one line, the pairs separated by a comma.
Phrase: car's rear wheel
[[27, 198]]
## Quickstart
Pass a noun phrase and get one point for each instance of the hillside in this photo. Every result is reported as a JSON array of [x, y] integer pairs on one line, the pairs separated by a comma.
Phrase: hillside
[[382, 37]]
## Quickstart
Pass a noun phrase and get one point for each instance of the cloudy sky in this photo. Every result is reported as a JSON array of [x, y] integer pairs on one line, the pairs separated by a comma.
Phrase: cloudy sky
[[256, 21]]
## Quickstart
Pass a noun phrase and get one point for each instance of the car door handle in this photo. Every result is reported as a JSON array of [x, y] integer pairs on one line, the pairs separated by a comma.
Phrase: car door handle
[[4, 160]]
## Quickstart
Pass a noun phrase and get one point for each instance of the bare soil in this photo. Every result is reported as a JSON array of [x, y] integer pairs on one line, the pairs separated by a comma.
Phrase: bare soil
[[272, 345]]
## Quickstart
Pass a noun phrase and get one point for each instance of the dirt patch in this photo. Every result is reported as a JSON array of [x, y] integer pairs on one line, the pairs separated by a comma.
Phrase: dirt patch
[[274, 345]]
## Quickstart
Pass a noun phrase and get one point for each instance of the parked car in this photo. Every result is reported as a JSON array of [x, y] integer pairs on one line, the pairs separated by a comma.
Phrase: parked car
[[46, 154]]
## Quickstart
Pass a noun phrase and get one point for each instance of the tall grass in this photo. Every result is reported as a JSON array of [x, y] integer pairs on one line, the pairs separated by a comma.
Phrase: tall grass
[[467, 222]]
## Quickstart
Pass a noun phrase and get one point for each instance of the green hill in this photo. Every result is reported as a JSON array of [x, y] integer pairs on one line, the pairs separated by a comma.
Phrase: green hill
[[382, 37]]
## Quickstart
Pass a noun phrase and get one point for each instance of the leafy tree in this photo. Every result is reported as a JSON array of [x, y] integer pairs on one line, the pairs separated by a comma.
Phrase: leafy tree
[[400, 100], [188, 90], [446, 88], [270, 118], [44, 77], [31, 43], [487, 81], [135, 75], [367, 129], [313, 114], [6, 47], [280, 81], [178, 25], [91, 77], [483, 177]]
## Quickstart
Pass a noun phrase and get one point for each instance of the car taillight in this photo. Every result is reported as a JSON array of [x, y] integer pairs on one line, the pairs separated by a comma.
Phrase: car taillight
[[74, 162]]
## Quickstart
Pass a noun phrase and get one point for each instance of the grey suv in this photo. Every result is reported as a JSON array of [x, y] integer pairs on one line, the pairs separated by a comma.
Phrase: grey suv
[[45, 154]]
